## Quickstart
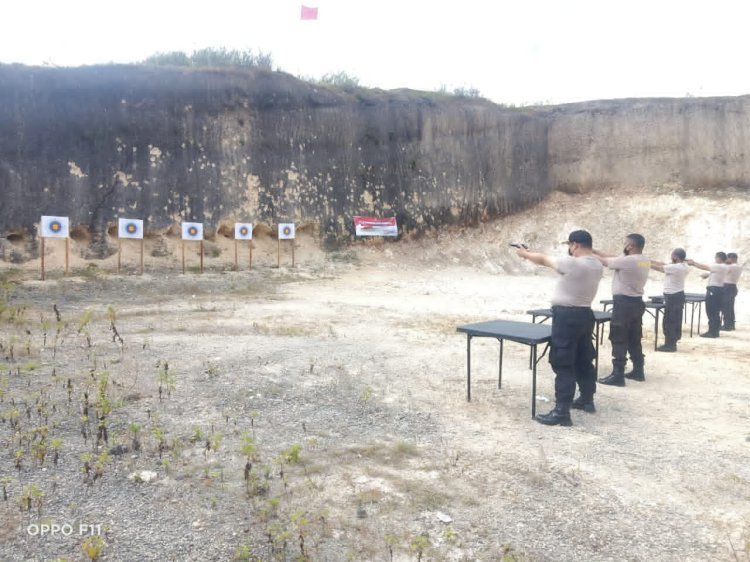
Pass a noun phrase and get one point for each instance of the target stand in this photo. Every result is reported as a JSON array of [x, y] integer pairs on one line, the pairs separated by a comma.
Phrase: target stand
[[192, 231], [67, 254], [55, 227], [243, 231], [286, 232], [129, 229], [183, 256], [119, 255], [236, 257]]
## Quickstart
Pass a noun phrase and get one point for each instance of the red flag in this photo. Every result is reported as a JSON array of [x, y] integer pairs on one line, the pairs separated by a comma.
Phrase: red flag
[[308, 13]]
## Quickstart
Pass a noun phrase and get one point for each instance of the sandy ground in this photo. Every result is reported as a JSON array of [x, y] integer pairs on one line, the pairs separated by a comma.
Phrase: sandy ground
[[354, 357]]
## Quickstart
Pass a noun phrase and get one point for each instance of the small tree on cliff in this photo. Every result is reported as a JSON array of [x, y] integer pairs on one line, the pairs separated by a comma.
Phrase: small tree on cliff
[[340, 80], [213, 57]]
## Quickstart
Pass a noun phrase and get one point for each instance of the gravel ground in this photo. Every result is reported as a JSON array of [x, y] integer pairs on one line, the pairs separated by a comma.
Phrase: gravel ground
[[319, 413]]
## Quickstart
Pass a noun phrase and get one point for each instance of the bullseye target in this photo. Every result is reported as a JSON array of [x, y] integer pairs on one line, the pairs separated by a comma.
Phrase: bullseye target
[[286, 231], [192, 231], [130, 228], [243, 231], [55, 227]]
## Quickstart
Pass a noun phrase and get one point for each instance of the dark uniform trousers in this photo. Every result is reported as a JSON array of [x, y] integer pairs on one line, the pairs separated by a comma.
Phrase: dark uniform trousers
[[572, 353], [674, 305], [714, 301], [626, 331], [727, 306]]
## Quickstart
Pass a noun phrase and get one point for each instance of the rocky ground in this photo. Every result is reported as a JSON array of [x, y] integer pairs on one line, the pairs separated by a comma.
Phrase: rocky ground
[[319, 412]]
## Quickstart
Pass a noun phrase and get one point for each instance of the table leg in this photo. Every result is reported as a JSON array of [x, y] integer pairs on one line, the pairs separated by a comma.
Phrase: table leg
[[533, 383], [468, 368], [500, 367], [700, 305], [596, 357], [656, 328], [692, 317]]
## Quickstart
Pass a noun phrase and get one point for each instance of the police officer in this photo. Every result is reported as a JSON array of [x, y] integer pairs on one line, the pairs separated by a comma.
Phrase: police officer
[[714, 292], [571, 348], [731, 276], [674, 297], [626, 328]]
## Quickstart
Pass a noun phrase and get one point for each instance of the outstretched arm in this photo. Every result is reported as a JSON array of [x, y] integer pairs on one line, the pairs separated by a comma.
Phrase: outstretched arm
[[536, 257], [657, 265], [698, 265], [601, 254]]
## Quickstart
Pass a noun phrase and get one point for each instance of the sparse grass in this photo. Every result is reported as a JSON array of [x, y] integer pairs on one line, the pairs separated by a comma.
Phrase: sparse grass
[[289, 330], [344, 257]]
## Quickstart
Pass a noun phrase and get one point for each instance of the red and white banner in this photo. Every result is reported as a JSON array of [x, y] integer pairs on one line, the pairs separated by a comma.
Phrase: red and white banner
[[370, 226]]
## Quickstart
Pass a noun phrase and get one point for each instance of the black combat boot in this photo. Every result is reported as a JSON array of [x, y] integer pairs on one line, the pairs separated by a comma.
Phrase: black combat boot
[[637, 373], [617, 378], [585, 404], [559, 416]]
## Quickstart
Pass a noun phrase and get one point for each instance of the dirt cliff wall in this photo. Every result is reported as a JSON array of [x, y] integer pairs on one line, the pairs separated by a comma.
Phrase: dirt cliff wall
[[167, 145], [699, 143], [218, 146]]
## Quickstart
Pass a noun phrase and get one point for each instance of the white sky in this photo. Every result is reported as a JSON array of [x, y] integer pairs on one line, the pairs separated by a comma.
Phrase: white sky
[[512, 51]]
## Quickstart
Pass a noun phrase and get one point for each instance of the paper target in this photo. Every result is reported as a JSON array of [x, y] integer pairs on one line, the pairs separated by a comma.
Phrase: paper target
[[55, 227], [130, 228], [192, 231], [243, 231], [286, 231]]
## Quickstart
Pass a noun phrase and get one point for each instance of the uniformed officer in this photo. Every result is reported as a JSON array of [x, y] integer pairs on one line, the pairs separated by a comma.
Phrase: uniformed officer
[[626, 328], [674, 297], [731, 276], [714, 292], [571, 347]]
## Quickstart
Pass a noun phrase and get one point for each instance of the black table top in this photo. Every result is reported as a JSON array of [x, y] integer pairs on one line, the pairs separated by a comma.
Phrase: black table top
[[689, 297], [599, 315], [649, 304], [521, 332]]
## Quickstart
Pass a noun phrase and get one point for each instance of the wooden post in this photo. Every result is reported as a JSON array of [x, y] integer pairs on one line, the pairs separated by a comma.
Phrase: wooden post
[[142, 243], [236, 262], [42, 258], [292, 252], [67, 251], [278, 254], [251, 255], [201, 256], [119, 254], [183, 257]]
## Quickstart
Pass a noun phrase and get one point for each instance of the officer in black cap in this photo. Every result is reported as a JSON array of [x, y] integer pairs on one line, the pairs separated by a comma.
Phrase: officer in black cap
[[571, 348]]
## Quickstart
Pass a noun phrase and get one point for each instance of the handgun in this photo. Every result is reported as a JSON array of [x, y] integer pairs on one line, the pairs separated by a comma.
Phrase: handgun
[[519, 245]]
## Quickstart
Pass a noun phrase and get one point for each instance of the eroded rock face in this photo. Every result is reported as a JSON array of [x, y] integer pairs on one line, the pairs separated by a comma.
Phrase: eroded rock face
[[687, 142], [218, 146], [167, 145]]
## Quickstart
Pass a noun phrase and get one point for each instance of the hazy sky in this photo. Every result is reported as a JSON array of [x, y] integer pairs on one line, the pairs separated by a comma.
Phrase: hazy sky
[[520, 51]]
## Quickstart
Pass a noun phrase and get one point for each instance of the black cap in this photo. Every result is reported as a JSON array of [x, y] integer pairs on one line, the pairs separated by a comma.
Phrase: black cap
[[580, 237]]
